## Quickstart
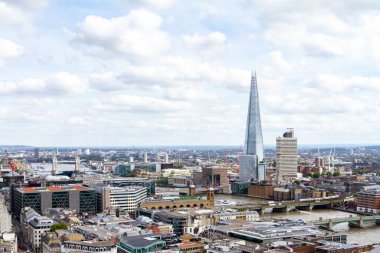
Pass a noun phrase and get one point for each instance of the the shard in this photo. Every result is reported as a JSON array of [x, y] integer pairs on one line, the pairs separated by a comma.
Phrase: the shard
[[253, 136], [251, 162]]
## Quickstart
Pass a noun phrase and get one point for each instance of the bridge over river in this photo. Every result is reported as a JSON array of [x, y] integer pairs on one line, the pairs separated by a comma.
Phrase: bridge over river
[[286, 206], [357, 221]]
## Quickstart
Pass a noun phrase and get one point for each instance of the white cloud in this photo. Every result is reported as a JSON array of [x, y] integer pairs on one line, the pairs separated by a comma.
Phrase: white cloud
[[140, 104], [77, 121], [137, 34], [159, 4], [20, 12], [61, 83], [338, 84], [211, 41], [3, 112], [8, 50], [107, 81], [173, 72]]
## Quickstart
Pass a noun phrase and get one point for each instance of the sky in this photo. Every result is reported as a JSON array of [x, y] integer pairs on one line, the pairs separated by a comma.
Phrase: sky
[[170, 72]]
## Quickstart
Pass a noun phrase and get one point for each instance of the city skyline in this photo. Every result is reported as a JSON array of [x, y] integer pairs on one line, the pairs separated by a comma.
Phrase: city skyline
[[141, 73]]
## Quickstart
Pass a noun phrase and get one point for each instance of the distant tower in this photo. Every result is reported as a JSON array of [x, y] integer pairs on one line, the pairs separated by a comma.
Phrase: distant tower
[[145, 157], [192, 190], [166, 160], [36, 152], [286, 155], [54, 164], [158, 157], [211, 196], [252, 161], [77, 163]]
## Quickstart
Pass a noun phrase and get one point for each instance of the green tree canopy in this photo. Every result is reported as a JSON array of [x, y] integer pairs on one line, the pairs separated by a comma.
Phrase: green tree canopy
[[58, 226]]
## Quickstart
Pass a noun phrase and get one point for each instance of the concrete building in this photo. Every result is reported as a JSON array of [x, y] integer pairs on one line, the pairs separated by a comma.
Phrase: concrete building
[[126, 198], [186, 201], [8, 243], [89, 246], [286, 156], [37, 227], [252, 162], [51, 243], [135, 181], [263, 190], [140, 243], [215, 176], [368, 200], [184, 221], [76, 197], [5, 217]]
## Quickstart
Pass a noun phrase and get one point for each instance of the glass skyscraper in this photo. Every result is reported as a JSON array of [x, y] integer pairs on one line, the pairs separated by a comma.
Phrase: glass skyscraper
[[252, 161]]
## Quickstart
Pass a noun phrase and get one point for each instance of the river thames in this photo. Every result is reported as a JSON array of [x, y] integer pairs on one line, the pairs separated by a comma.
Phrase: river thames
[[361, 236]]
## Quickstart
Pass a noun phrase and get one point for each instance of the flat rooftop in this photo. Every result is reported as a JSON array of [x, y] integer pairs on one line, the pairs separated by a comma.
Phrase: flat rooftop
[[54, 189], [141, 241]]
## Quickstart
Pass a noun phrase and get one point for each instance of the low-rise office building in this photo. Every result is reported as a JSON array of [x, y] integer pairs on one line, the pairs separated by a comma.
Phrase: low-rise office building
[[126, 198], [37, 227], [141, 243], [368, 200], [89, 246], [75, 197], [129, 181]]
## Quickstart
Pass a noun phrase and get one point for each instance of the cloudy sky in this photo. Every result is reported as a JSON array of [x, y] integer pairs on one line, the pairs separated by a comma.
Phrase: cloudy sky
[[170, 72]]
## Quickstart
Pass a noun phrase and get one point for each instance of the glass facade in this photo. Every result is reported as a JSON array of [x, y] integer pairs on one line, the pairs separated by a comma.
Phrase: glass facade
[[254, 136], [60, 200], [87, 202], [253, 145]]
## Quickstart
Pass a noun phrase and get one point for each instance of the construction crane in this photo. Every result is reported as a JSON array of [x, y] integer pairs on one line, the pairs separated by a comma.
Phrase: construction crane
[[10, 162]]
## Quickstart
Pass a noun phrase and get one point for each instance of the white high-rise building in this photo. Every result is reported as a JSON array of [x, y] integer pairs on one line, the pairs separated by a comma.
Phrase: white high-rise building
[[286, 156], [5, 217], [145, 157]]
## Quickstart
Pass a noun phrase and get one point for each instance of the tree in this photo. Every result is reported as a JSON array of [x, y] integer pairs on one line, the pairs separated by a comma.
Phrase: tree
[[316, 175], [297, 182], [336, 173], [57, 226], [309, 174], [328, 173]]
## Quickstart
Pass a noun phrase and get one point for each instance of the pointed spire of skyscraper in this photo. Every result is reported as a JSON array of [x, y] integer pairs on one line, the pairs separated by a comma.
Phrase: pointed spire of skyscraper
[[251, 162], [254, 137]]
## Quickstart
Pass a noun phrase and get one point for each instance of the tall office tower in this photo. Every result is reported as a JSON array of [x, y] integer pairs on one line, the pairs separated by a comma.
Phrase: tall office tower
[[77, 163], [252, 162], [286, 156], [54, 164], [36, 152], [145, 157]]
